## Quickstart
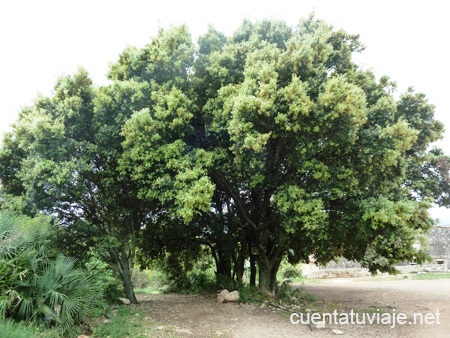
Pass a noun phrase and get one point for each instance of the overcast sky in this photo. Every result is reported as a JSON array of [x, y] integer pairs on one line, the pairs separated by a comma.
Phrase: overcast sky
[[42, 40]]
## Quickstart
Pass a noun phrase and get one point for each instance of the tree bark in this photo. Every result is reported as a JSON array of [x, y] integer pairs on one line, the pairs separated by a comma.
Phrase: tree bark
[[252, 264], [239, 264], [252, 271], [125, 272], [268, 269]]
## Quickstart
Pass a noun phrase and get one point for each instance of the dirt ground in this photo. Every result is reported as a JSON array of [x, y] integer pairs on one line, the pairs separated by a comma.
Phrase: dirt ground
[[200, 316]]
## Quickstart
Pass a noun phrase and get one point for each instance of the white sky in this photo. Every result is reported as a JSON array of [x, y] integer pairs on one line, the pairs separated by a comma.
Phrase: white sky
[[42, 40]]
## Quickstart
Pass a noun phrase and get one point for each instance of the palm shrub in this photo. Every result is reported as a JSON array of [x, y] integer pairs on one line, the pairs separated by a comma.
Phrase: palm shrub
[[10, 329], [38, 287]]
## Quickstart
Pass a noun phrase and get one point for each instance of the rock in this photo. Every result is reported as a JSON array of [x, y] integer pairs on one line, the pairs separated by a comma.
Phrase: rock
[[221, 296], [232, 296], [335, 331], [225, 296], [125, 301]]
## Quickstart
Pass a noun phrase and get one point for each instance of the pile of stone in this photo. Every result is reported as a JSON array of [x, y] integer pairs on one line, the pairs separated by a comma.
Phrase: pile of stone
[[226, 296]]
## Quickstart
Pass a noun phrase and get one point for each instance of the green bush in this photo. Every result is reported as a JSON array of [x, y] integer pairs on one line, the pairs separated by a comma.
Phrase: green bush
[[140, 278], [294, 295], [249, 294], [157, 280], [188, 276], [289, 271], [51, 292], [10, 329], [106, 280], [292, 272]]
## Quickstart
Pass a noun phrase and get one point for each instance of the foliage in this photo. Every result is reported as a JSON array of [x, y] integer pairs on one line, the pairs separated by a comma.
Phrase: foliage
[[266, 144], [157, 282], [126, 322], [278, 130], [40, 288], [250, 294], [140, 278], [290, 272], [11, 329], [189, 276], [287, 295], [291, 295], [107, 283], [61, 159]]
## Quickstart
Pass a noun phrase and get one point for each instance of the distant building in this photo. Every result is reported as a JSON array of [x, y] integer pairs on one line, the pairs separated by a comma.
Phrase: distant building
[[439, 250], [439, 239]]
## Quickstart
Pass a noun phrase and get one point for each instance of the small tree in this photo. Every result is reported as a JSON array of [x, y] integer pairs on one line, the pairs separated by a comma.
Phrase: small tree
[[61, 159]]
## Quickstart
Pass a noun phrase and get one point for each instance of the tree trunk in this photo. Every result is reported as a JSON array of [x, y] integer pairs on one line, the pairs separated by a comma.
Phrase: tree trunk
[[268, 268], [239, 264], [123, 266], [223, 266], [128, 285], [252, 262], [252, 271]]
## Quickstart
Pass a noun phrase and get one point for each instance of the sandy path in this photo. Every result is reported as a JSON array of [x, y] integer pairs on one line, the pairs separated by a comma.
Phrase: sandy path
[[200, 316], [421, 297]]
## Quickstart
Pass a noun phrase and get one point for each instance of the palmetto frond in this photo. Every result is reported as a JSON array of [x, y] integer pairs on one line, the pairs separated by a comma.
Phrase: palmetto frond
[[37, 288]]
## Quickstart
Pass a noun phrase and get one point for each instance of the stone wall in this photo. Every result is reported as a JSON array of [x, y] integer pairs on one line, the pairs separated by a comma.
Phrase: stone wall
[[340, 273], [439, 241]]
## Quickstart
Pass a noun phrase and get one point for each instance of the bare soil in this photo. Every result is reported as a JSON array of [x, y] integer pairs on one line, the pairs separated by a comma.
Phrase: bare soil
[[176, 315]]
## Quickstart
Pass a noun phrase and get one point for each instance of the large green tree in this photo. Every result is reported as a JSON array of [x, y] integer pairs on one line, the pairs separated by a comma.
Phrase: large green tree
[[61, 159], [314, 154], [265, 144]]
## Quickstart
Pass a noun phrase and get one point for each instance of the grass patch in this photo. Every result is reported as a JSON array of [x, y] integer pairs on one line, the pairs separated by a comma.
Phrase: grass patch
[[149, 290], [431, 275], [287, 296], [125, 321]]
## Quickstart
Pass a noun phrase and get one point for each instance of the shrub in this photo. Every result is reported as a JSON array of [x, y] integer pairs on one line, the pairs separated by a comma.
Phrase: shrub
[[249, 293], [292, 272], [54, 294], [294, 295], [197, 278], [289, 271], [50, 292], [10, 329], [157, 280], [106, 280], [140, 278]]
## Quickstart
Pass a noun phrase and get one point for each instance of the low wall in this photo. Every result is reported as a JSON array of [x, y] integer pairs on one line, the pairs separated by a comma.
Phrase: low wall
[[362, 272], [340, 273]]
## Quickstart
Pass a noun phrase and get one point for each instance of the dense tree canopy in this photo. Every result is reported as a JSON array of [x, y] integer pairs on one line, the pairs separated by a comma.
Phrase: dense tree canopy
[[66, 165], [266, 144]]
